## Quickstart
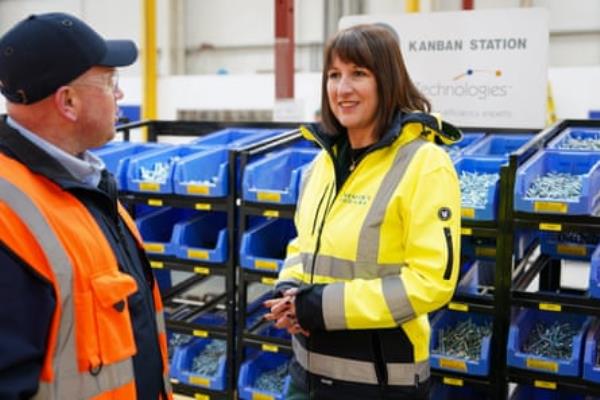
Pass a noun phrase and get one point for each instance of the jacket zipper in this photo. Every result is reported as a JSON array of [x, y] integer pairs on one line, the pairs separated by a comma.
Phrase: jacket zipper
[[450, 249], [318, 244], [319, 209]]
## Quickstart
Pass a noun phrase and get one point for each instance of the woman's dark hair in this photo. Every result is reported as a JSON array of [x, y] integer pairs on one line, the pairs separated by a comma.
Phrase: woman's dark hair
[[375, 48]]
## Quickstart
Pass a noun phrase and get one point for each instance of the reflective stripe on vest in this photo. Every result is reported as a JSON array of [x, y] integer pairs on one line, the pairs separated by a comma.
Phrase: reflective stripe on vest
[[344, 369], [68, 382]]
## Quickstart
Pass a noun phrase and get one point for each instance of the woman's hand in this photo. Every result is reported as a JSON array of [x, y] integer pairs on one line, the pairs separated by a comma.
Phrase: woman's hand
[[283, 312]]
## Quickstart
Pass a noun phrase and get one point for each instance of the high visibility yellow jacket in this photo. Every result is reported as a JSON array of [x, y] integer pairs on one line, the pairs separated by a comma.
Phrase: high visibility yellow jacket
[[373, 257]]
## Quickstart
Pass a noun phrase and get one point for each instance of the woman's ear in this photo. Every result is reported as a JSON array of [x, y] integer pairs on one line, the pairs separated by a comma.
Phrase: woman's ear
[[67, 102]]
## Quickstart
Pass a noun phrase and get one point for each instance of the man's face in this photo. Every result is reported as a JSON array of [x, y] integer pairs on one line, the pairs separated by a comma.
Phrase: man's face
[[99, 92]]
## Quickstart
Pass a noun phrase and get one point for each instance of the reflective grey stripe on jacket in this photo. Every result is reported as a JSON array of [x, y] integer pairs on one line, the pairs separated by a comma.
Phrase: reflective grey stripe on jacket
[[68, 382], [366, 265], [344, 369]]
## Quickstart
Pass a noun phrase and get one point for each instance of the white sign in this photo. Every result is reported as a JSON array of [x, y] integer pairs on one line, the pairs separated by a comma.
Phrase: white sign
[[478, 68]]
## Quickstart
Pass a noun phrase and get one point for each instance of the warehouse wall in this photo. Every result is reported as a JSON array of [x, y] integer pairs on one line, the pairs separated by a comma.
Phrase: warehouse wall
[[236, 37]]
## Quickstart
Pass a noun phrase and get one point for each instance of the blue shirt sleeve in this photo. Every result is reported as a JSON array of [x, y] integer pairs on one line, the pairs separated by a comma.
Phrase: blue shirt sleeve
[[26, 306]]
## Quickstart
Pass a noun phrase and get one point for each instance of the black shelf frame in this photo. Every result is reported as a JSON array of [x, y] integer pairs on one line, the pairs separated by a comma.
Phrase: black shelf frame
[[154, 131], [550, 297], [246, 335]]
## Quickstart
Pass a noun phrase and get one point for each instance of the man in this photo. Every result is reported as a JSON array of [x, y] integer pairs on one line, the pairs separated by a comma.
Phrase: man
[[80, 314]]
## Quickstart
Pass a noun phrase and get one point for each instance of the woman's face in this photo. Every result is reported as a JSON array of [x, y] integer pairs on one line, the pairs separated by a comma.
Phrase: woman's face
[[352, 94]]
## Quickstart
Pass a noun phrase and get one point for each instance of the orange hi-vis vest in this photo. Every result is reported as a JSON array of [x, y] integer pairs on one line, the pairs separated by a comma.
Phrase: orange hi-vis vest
[[91, 342]]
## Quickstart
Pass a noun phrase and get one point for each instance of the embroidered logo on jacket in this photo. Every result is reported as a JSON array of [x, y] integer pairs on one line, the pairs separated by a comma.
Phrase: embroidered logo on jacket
[[356, 199]]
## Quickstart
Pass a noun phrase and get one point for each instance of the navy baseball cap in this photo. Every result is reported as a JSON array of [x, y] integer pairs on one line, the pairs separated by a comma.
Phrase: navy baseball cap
[[46, 51]]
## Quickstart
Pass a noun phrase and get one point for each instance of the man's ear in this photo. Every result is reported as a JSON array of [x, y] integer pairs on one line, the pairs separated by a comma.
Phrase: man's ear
[[67, 103]]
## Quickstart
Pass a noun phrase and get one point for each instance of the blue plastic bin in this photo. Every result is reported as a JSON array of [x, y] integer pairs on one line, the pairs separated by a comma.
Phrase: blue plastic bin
[[263, 247], [482, 165], [149, 159], [469, 139], [251, 369], [495, 145], [276, 178], [446, 318], [591, 367], [182, 362], [117, 158], [572, 133], [481, 273], [520, 329], [157, 229], [205, 174], [594, 288], [523, 392], [552, 245], [232, 138], [203, 237], [586, 163]]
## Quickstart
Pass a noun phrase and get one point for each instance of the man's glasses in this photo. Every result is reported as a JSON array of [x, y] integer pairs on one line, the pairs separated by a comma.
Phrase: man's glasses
[[109, 81]]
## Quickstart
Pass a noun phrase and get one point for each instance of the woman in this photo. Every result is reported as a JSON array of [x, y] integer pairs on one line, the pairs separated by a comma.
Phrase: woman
[[378, 221]]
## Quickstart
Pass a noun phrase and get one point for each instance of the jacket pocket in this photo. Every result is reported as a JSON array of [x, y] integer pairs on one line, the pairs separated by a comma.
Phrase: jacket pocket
[[113, 322], [450, 252]]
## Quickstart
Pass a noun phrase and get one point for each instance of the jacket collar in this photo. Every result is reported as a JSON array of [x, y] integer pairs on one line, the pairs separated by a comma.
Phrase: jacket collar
[[15, 145], [432, 128]]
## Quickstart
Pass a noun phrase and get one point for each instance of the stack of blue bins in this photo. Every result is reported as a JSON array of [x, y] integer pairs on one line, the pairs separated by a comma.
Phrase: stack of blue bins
[[487, 156], [523, 392], [446, 318], [170, 156], [276, 178], [521, 328], [206, 174], [183, 361], [117, 158], [252, 369], [263, 246]]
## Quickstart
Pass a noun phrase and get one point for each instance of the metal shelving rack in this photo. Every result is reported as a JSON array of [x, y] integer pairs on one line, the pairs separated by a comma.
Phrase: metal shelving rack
[[201, 270], [495, 304], [246, 335], [550, 296]]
